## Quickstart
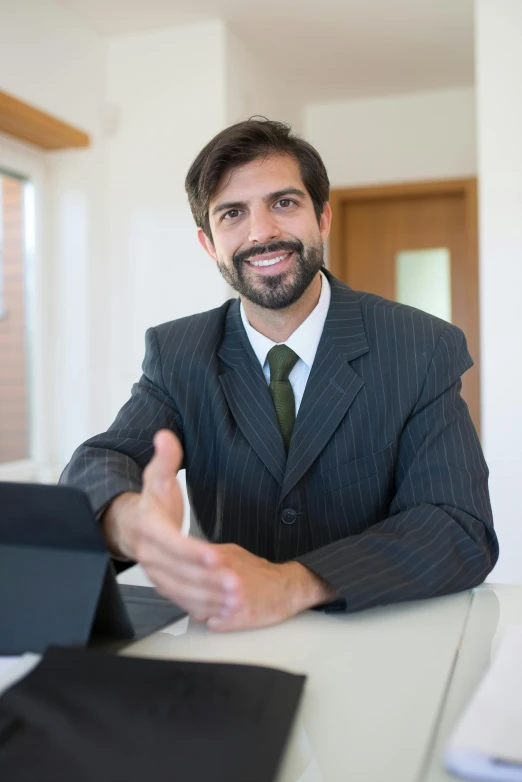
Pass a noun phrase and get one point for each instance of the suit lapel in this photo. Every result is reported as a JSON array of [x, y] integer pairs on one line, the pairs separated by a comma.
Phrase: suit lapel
[[248, 395], [332, 385]]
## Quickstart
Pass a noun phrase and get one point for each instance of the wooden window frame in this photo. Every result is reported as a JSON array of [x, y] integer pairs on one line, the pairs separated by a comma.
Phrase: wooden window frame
[[31, 125]]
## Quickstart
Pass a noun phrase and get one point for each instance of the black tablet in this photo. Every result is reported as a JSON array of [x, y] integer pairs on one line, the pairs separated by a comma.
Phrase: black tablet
[[57, 582]]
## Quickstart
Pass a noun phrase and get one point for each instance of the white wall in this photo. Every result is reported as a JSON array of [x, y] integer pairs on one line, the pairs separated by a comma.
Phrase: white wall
[[166, 91], [50, 59], [254, 86], [428, 135], [120, 247], [499, 90], [121, 252]]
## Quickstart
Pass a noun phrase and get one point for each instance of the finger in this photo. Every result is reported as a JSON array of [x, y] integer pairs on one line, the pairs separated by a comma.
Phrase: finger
[[191, 598], [160, 535], [159, 476], [209, 594], [221, 583], [242, 618], [200, 617], [168, 449], [219, 623]]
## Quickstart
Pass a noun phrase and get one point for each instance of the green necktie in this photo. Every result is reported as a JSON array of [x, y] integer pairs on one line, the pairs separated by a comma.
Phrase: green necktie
[[281, 360]]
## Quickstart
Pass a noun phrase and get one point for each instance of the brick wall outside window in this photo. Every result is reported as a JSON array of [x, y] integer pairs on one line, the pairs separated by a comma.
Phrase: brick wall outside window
[[14, 397]]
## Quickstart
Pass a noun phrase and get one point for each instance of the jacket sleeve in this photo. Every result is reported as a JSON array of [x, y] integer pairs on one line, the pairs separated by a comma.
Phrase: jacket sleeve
[[112, 463], [438, 537]]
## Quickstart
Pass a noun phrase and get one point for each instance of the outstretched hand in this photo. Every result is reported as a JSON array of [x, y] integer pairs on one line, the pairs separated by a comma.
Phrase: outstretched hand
[[223, 584]]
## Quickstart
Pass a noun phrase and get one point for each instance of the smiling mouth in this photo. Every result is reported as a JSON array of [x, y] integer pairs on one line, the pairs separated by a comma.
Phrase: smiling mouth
[[269, 261]]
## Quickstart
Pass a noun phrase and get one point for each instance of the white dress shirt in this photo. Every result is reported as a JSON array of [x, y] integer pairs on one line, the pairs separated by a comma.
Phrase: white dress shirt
[[304, 341]]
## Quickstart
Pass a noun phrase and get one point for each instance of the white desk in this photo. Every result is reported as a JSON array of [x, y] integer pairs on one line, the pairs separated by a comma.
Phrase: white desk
[[377, 687], [385, 687], [493, 608]]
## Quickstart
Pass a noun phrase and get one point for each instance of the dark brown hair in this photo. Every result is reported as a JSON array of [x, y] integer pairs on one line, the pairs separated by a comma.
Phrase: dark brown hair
[[242, 143]]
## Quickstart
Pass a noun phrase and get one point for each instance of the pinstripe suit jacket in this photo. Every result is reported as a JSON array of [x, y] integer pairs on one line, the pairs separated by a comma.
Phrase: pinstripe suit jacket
[[384, 492]]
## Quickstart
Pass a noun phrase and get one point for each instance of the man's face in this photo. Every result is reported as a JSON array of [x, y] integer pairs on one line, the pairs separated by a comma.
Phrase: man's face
[[265, 237]]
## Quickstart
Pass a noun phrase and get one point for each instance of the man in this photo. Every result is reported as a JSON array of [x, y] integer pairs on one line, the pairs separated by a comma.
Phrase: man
[[330, 459]]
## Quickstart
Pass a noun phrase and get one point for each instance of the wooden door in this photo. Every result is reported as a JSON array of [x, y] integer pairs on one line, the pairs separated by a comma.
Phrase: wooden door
[[373, 227]]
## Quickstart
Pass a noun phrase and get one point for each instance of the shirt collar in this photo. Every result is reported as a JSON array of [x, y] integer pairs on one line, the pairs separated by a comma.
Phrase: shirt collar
[[305, 339]]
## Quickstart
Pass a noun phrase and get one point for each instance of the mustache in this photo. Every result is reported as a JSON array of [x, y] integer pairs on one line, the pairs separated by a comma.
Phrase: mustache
[[241, 256]]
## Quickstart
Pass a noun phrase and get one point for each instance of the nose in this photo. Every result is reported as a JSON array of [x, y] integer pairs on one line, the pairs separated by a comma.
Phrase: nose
[[263, 226]]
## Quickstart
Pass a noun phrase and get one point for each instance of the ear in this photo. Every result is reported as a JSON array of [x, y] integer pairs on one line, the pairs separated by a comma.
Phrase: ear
[[325, 221], [206, 243]]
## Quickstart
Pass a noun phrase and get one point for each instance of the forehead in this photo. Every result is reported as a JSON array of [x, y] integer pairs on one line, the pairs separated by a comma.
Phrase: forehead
[[258, 178]]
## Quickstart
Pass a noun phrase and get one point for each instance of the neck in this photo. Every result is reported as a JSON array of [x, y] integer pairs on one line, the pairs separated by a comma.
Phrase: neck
[[278, 325]]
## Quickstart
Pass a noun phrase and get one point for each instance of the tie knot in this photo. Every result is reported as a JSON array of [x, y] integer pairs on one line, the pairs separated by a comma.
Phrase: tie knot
[[281, 360]]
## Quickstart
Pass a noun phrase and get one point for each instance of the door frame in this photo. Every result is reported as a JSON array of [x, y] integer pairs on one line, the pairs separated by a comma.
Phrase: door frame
[[467, 188]]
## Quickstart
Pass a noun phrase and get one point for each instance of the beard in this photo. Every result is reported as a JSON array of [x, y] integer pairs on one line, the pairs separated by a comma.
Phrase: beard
[[274, 291]]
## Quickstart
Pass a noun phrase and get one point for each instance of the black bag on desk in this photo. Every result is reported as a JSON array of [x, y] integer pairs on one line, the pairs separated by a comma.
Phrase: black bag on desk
[[57, 583], [85, 716]]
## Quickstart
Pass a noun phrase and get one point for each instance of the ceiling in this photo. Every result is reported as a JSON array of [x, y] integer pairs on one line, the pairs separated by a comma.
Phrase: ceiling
[[333, 48]]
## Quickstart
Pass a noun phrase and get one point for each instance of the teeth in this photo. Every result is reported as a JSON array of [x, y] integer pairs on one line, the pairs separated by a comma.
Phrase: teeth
[[271, 262]]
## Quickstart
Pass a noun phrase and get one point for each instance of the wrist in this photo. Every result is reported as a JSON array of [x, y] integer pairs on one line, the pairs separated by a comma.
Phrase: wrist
[[117, 524], [304, 588]]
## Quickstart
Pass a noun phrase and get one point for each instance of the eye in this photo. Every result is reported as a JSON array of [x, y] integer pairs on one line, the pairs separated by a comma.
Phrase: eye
[[231, 214], [284, 203]]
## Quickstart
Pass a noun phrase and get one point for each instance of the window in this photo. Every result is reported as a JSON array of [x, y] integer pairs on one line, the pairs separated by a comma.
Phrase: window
[[2, 311], [423, 280], [16, 230]]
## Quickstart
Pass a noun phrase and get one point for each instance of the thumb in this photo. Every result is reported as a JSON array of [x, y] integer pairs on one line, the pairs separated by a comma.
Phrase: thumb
[[164, 465]]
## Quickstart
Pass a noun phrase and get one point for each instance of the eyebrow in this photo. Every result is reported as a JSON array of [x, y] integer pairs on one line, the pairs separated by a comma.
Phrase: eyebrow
[[270, 197]]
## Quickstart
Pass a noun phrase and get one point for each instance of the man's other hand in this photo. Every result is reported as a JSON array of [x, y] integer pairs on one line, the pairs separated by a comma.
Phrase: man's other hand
[[263, 593]]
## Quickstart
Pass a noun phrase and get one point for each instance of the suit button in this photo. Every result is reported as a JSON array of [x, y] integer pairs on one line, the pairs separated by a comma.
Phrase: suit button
[[288, 516]]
